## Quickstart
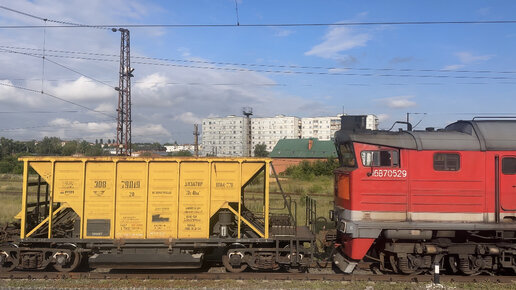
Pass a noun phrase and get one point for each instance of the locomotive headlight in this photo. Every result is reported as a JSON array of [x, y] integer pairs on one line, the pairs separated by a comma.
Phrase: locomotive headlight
[[223, 231]]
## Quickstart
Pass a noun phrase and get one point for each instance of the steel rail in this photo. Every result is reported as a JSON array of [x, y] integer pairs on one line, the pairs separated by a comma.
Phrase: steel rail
[[255, 276]]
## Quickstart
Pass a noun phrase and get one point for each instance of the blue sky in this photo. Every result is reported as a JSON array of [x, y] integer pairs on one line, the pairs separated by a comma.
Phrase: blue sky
[[447, 71]]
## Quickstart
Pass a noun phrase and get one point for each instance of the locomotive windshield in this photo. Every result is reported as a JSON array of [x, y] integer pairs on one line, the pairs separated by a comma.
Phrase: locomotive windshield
[[347, 155]]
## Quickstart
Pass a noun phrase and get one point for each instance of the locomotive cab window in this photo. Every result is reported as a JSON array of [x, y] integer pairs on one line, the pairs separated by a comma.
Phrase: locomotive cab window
[[446, 162], [380, 158], [347, 155], [509, 165]]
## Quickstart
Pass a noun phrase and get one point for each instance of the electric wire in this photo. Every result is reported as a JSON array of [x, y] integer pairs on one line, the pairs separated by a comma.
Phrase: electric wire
[[45, 58], [267, 65], [50, 126], [38, 112], [258, 25], [55, 97], [294, 72], [49, 20]]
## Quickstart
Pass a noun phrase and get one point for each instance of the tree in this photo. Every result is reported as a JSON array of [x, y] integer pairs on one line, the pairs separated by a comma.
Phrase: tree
[[70, 148], [180, 153], [49, 146], [260, 150]]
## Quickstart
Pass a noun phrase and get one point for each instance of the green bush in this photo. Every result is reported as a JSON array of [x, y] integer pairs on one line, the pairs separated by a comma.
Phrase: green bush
[[10, 164], [309, 170]]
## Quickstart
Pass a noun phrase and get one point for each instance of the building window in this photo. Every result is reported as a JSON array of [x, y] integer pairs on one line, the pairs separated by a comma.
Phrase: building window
[[446, 161]]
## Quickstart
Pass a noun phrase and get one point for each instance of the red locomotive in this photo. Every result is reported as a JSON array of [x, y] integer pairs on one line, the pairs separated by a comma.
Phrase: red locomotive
[[410, 200]]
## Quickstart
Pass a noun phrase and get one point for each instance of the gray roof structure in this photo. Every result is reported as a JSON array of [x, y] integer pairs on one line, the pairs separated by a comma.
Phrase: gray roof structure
[[471, 135]]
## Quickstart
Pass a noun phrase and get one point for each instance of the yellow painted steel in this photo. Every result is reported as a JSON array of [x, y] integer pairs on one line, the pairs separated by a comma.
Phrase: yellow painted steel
[[138, 198], [51, 201], [47, 219], [99, 199], [247, 222], [131, 200], [23, 217], [162, 206]]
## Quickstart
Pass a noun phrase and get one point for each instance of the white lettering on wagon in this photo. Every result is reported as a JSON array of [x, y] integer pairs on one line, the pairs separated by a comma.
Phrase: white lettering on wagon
[[389, 173]]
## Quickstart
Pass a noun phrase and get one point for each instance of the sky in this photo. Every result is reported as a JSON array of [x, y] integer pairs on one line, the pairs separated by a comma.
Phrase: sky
[[438, 73]]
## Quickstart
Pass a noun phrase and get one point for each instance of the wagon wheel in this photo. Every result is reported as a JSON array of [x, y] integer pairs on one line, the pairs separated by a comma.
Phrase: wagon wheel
[[409, 265], [71, 263], [9, 260], [452, 261], [296, 269], [233, 260], [470, 265], [231, 267]]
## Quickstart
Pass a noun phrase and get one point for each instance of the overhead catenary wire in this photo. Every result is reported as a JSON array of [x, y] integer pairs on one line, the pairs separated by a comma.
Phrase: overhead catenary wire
[[45, 58], [295, 72], [258, 25], [51, 126], [265, 65], [56, 97], [48, 20], [38, 112]]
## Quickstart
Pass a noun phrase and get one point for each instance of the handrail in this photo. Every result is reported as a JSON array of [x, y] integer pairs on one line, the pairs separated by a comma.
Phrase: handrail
[[46, 220], [288, 203], [246, 221]]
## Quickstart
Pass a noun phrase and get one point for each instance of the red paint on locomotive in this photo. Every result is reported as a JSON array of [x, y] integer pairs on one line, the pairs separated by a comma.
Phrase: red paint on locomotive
[[422, 182]]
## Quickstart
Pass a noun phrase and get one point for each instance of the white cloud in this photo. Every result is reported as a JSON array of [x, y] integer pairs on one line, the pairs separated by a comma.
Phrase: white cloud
[[467, 57], [398, 102], [283, 32], [188, 118], [82, 89], [150, 130], [383, 117], [337, 40], [73, 129], [453, 67]]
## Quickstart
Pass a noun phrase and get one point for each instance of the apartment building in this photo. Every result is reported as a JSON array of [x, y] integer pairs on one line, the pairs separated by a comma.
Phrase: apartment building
[[228, 136], [269, 130], [322, 128], [225, 136]]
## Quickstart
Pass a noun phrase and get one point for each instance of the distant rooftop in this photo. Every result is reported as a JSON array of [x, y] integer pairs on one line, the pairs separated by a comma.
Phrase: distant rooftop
[[301, 148]]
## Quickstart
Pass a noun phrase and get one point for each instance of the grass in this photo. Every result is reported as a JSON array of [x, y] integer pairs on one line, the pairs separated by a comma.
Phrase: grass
[[11, 205], [10, 196], [10, 183]]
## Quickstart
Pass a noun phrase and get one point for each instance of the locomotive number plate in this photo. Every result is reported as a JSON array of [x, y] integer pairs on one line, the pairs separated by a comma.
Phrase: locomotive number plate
[[393, 173]]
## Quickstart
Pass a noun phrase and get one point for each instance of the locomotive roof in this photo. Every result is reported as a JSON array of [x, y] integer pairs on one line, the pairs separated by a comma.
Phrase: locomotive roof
[[472, 135]]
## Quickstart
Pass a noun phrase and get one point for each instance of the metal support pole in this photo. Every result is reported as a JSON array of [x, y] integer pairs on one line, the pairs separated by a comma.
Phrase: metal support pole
[[436, 274], [123, 129]]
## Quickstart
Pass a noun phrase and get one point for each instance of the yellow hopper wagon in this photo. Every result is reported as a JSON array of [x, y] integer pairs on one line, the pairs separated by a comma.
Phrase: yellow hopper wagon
[[131, 212]]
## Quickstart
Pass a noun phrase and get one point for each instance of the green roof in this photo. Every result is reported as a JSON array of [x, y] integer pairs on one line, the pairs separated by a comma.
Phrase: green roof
[[298, 148]]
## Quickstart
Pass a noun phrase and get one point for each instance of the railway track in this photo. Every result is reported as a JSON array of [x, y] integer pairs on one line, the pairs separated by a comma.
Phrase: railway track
[[255, 276]]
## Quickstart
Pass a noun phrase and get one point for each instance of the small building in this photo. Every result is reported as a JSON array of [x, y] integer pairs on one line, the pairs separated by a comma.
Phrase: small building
[[288, 152]]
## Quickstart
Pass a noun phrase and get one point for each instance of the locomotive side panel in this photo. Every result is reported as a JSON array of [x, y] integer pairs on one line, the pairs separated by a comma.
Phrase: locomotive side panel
[[377, 188], [452, 183]]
